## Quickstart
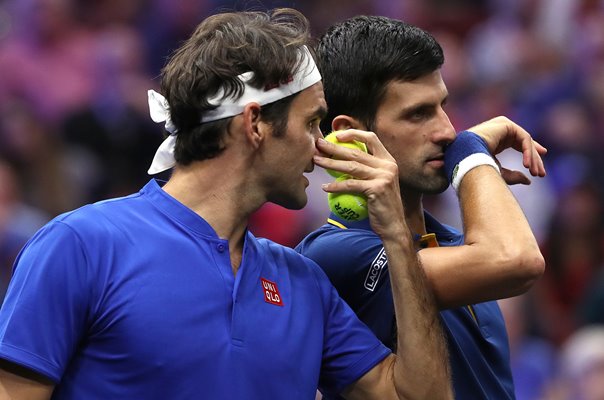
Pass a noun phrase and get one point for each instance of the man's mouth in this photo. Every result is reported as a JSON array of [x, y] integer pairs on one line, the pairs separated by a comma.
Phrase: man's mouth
[[437, 161]]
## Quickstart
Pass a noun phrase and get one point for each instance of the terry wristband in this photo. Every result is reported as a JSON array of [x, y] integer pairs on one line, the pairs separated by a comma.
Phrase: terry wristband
[[465, 153]]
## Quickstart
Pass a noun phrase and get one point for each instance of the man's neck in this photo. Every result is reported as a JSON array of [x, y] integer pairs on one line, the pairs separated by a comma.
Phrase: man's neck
[[414, 211], [217, 195]]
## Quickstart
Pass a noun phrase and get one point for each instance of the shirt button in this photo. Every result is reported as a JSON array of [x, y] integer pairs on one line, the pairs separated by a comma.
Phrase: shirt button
[[220, 247]]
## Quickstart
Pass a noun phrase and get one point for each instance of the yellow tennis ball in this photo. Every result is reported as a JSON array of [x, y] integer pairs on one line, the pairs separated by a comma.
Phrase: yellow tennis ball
[[348, 206], [355, 144]]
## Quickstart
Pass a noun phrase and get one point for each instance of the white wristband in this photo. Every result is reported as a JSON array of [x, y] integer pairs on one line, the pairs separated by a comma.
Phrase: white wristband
[[470, 162]]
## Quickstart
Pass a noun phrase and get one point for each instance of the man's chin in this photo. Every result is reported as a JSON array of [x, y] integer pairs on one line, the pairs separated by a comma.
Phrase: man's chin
[[292, 203], [436, 190], [429, 186]]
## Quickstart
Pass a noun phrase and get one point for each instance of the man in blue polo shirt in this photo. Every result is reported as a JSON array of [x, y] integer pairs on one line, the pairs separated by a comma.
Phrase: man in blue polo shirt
[[164, 294], [384, 76]]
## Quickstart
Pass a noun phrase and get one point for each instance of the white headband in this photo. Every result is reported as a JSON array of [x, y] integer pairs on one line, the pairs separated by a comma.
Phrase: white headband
[[305, 76]]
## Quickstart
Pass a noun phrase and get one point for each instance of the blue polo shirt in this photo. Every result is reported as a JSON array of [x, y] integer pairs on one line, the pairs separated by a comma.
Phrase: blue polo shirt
[[353, 257], [135, 298]]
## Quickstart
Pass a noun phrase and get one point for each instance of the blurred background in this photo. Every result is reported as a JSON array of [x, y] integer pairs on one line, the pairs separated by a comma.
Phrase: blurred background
[[74, 128]]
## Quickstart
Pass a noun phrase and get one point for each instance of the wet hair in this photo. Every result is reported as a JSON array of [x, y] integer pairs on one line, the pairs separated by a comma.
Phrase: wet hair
[[222, 47], [360, 56]]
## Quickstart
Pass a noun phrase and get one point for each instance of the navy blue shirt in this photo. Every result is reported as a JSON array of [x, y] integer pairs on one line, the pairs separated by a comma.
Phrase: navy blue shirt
[[353, 257]]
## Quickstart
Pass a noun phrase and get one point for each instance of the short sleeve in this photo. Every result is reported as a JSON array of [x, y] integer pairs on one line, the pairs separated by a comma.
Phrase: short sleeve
[[46, 306], [350, 348], [356, 264]]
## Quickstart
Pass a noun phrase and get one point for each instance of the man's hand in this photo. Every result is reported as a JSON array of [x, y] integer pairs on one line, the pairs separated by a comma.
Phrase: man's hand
[[501, 133], [374, 174]]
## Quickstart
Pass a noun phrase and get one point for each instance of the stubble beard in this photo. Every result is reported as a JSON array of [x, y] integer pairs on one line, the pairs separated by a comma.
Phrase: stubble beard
[[424, 184], [290, 200]]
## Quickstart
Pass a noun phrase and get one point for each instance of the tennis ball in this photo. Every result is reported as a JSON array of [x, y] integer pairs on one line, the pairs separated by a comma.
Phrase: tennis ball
[[355, 144], [348, 206]]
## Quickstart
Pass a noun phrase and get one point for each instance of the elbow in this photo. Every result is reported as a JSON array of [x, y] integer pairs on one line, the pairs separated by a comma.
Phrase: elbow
[[525, 267], [532, 267]]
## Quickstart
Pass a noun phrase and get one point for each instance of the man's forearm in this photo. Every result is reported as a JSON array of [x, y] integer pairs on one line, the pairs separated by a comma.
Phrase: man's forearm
[[500, 256], [421, 369]]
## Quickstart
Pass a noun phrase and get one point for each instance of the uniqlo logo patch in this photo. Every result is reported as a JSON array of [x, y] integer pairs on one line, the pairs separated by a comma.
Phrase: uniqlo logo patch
[[271, 293]]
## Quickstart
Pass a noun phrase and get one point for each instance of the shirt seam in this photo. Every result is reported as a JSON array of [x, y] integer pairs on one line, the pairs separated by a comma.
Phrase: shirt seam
[[12, 357]]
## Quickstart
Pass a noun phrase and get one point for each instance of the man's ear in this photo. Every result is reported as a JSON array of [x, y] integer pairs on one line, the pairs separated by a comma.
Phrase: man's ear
[[255, 129], [343, 122]]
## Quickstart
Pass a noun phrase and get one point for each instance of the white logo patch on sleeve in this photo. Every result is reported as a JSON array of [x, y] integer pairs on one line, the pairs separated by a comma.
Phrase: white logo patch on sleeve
[[375, 270]]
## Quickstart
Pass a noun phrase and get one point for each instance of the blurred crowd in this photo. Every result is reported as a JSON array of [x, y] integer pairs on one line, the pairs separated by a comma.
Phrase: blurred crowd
[[74, 128]]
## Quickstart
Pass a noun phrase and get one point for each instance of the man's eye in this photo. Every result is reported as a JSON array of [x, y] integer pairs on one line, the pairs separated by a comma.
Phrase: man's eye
[[420, 114]]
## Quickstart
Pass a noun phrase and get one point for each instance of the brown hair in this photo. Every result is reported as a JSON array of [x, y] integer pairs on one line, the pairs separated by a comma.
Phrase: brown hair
[[222, 47]]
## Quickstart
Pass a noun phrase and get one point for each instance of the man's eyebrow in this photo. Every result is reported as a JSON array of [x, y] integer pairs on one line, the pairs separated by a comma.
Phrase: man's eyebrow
[[423, 106], [320, 112], [415, 108]]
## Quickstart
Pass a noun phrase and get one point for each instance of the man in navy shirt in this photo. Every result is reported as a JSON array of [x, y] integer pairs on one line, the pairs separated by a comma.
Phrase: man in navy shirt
[[383, 75], [164, 294]]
